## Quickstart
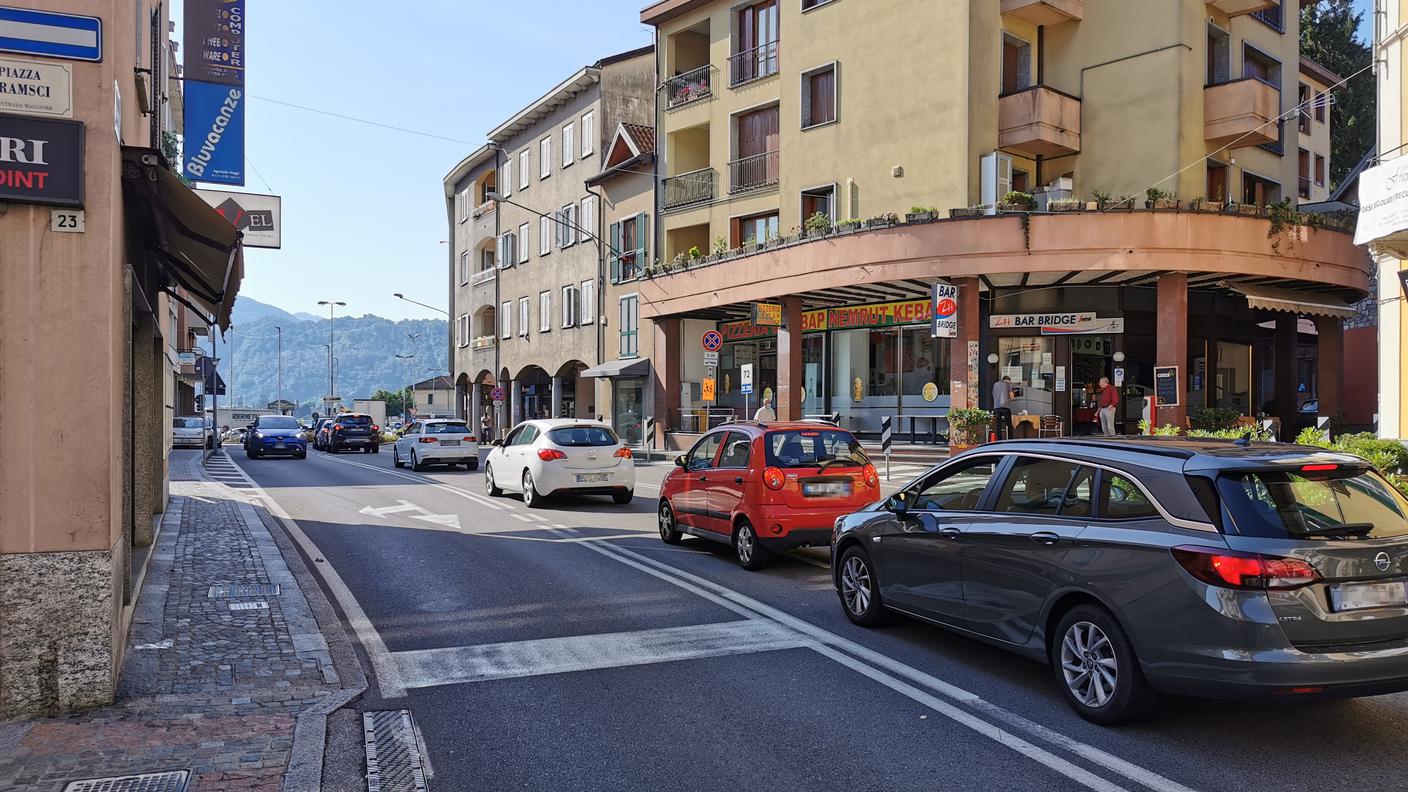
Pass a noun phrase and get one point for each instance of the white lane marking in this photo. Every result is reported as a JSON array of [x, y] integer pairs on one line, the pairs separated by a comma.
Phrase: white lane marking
[[520, 517], [451, 521], [388, 678], [463, 493], [538, 657], [534, 517], [405, 506]]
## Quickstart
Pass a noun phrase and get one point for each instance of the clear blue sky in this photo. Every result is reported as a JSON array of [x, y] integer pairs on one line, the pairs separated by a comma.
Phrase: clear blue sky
[[363, 208]]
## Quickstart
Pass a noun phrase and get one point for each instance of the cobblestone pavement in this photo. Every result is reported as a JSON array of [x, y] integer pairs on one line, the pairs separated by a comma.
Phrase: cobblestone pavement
[[206, 688]]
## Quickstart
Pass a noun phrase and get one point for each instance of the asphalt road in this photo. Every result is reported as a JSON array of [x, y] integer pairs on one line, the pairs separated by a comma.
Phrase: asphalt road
[[568, 648]]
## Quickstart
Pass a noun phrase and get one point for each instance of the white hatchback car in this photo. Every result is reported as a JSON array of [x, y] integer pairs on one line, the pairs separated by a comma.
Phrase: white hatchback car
[[436, 441], [560, 456]]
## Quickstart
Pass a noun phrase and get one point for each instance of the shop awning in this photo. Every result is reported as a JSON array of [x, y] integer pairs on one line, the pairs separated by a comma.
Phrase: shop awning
[[1297, 302], [182, 235], [635, 367]]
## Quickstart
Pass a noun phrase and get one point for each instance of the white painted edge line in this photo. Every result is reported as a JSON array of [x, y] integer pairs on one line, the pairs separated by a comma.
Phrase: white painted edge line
[[463, 493]]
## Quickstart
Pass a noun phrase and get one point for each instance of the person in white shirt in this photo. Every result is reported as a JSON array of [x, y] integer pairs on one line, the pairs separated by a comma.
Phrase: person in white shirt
[[765, 413], [1002, 407]]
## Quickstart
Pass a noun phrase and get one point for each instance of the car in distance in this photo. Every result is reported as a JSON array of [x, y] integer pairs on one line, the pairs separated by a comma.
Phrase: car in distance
[[280, 435], [354, 431], [765, 487], [547, 457], [1220, 569], [436, 441], [320, 433], [189, 431]]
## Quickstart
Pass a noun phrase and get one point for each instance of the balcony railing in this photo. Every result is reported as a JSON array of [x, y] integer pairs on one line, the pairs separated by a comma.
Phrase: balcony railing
[[691, 86], [484, 276], [690, 188], [753, 173], [483, 342], [485, 208], [753, 64], [1239, 113]]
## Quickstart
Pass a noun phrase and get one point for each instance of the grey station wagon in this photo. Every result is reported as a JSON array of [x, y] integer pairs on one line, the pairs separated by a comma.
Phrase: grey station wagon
[[1133, 565]]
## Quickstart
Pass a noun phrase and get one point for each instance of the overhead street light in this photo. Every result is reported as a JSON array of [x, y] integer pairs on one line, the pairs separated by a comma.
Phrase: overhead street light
[[332, 319], [400, 296]]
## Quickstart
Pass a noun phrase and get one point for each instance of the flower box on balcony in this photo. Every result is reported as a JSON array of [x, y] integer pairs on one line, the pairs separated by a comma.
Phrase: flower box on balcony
[[1214, 207], [1163, 203], [1009, 208], [961, 212], [1065, 205], [848, 226], [923, 216], [1248, 210]]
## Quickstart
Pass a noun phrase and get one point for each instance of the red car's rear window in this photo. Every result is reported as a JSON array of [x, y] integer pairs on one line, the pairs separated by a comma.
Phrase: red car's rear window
[[806, 448]]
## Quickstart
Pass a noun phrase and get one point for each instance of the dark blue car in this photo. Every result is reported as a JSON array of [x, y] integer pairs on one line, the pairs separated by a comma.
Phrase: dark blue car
[[275, 434]]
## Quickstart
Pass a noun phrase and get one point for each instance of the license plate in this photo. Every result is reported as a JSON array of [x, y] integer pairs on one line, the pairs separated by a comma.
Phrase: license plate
[[278, 445], [449, 442], [824, 489], [584, 478], [1357, 596]]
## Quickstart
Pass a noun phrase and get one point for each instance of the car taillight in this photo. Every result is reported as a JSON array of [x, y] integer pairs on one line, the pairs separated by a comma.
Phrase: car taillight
[[469, 439], [623, 452], [428, 440], [1318, 468], [549, 454], [872, 478], [774, 478], [337, 427], [376, 428], [1227, 569]]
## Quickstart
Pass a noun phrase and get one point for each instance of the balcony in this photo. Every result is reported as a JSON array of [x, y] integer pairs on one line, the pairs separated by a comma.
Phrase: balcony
[[691, 188], [1044, 12], [757, 172], [753, 64], [1239, 113], [1039, 121], [692, 86], [1239, 7], [485, 208], [482, 342], [483, 276]]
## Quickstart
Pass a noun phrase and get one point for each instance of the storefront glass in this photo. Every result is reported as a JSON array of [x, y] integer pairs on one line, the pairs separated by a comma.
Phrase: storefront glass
[[925, 362], [1234, 376], [1031, 365], [762, 354], [627, 407], [813, 367]]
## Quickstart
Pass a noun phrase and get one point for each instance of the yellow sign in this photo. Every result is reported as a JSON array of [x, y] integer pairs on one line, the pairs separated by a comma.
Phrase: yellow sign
[[931, 391], [767, 395], [708, 394], [767, 314]]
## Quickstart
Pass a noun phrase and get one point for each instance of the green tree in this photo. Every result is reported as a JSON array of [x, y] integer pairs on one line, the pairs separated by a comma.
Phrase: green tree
[[395, 401], [1329, 35]]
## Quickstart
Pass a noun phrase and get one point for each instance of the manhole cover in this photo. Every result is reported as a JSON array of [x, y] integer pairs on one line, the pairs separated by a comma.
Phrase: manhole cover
[[244, 590], [174, 781], [394, 761], [244, 606]]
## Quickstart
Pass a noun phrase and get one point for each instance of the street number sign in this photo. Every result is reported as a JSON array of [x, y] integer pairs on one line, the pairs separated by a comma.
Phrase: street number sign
[[67, 221], [497, 394], [712, 340]]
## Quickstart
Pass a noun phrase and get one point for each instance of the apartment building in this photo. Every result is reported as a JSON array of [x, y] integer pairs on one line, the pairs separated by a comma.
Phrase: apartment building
[[887, 113], [550, 251], [473, 270]]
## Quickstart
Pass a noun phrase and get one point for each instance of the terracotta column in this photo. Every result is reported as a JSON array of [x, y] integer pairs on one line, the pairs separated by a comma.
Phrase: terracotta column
[[665, 372], [964, 390], [1329, 366], [789, 361], [1172, 341], [1287, 339]]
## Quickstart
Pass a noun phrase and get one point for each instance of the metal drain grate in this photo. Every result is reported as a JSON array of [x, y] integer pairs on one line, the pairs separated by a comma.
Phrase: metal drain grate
[[173, 781], [244, 590], [394, 762], [244, 606]]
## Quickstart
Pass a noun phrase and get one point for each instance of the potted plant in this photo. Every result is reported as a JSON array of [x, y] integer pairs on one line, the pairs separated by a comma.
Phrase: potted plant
[[818, 225], [920, 214], [1159, 199], [968, 427], [848, 225], [1016, 201], [1065, 205], [882, 221], [750, 245], [694, 254], [1101, 200]]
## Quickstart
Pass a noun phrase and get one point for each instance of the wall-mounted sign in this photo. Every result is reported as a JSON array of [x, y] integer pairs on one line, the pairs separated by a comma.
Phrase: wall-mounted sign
[[1057, 323], [214, 90], [945, 310], [214, 37], [900, 312], [68, 221], [28, 32], [930, 392], [260, 217], [1166, 385], [41, 161], [767, 314], [36, 88], [1383, 202]]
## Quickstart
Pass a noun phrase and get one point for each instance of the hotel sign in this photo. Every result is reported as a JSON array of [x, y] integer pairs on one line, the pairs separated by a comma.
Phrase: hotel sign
[[1057, 323], [33, 88], [41, 161]]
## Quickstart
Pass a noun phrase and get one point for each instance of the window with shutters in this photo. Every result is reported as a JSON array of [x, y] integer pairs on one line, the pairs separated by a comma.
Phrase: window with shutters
[[586, 300], [1319, 170], [462, 330], [755, 40], [587, 217], [544, 311], [523, 319], [464, 267], [525, 168], [507, 254], [506, 177], [545, 158], [630, 326], [506, 319], [819, 96], [569, 306], [522, 244], [628, 248], [588, 133], [569, 225], [545, 229], [569, 144]]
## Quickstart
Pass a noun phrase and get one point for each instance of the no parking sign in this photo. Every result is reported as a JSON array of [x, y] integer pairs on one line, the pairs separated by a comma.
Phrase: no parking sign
[[712, 340], [497, 394]]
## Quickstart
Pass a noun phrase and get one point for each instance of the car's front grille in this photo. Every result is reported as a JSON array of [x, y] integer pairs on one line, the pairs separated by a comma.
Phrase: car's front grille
[[1315, 647]]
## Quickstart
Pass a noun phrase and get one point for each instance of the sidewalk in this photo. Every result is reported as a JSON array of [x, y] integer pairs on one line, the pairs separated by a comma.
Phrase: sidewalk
[[227, 673]]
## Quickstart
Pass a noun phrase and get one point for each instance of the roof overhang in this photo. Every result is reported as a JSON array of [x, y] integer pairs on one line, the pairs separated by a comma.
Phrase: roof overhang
[[480, 156], [1319, 73], [562, 94], [665, 10], [1306, 303], [636, 367], [629, 166]]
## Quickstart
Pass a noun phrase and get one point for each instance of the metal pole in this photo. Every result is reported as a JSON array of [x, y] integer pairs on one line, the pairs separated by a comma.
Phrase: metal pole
[[232, 365], [332, 351], [280, 396]]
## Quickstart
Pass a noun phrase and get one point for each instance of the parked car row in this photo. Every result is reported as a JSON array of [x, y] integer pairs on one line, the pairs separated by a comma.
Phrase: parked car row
[[1131, 566]]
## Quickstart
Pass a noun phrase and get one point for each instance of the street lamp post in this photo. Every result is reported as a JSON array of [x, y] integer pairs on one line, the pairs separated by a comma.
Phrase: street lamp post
[[408, 393], [332, 374], [400, 296], [280, 396]]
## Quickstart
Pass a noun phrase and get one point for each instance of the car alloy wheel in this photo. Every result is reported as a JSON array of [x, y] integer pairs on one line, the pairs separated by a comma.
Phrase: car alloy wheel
[[489, 486], [855, 586], [751, 554], [669, 532], [1089, 665], [531, 498]]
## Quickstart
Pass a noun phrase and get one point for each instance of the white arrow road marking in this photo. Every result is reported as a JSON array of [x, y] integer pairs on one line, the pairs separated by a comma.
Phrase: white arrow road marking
[[406, 506], [447, 520]]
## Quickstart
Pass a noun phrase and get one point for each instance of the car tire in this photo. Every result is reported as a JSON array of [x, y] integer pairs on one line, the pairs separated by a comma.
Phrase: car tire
[[622, 498], [489, 486], [1089, 638], [416, 464], [250, 454], [531, 497], [859, 588], [750, 553], [669, 530], [472, 464], [301, 454], [396, 458], [376, 449]]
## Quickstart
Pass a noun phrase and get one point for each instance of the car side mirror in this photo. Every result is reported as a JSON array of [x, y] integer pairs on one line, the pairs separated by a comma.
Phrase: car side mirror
[[497, 444], [680, 461], [898, 504]]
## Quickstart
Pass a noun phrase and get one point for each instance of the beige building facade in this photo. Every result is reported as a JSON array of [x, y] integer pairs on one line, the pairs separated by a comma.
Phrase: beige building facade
[[473, 286]]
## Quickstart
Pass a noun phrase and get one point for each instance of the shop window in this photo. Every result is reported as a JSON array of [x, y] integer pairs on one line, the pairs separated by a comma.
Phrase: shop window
[[1030, 363], [1232, 386], [925, 362], [883, 376]]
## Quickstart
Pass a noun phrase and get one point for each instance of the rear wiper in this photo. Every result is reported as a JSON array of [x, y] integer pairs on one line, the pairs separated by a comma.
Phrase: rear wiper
[[1355, 530], [835, 461]]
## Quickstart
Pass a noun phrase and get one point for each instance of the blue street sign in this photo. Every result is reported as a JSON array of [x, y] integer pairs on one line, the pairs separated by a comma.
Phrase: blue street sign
[[214, 147], [53, 35]]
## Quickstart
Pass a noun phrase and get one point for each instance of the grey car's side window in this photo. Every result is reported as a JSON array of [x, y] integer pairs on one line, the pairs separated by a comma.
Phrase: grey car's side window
[[1121, 499], [957, 488], [1035, 486]]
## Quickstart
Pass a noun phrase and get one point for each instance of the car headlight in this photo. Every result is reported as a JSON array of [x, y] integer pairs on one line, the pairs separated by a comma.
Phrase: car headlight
[[255, 435]]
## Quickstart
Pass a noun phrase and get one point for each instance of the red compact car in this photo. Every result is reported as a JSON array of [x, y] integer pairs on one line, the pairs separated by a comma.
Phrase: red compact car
[[762, 487]]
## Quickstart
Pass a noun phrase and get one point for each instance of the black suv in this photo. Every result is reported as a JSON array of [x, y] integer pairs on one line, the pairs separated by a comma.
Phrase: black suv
[[353, 431]]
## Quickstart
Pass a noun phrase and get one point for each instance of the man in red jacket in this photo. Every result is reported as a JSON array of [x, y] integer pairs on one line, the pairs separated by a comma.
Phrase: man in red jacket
[[1109, 405]]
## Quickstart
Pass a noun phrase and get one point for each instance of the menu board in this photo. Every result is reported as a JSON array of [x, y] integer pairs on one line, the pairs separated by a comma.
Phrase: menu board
[[1166, 386]]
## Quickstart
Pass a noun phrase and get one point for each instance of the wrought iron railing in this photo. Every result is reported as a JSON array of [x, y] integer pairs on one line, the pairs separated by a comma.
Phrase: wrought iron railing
[[753, 173], [691, 86], [752, 64], [690, 188]]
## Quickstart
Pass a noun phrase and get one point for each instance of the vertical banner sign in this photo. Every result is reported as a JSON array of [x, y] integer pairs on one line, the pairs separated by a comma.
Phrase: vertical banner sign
[[945, 311], [214, 91]]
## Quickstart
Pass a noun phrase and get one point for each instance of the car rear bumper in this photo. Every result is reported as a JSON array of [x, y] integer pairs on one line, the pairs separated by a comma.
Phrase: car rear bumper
[[785, 527], [801, 537], [354, 442], [1288, 673], [434, 452], [188, 442], [554, 481]]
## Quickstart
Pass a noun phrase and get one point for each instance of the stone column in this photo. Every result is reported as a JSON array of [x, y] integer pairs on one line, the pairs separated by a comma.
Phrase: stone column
[[474, 409], [964, 390], [148, 412], [789, 361], [515, 401], [1287, 339], [1172, 341], [555, 410], [1329, 366], [665, 376]]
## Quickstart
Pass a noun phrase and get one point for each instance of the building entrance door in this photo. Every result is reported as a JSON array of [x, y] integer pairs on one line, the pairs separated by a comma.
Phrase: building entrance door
[[1091, 359]]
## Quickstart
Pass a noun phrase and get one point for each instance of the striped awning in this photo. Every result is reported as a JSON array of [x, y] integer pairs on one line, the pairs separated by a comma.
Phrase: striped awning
[[1304, 303]]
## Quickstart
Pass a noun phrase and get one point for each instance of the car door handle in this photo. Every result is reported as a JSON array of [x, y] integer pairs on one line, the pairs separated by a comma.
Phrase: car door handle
[[1046, 538], [950, 532], [737, 479], [703, 478]]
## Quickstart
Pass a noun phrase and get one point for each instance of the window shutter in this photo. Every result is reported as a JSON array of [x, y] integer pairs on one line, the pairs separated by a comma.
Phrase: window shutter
[[507, 185], [642, 234], [615, 259]]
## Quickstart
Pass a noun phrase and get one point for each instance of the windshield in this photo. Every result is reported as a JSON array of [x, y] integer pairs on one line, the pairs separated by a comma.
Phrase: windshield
[[446, 428], [187, 423], [279, 422], [804, 448], [355, 420], [578, 436], [1296, 504]]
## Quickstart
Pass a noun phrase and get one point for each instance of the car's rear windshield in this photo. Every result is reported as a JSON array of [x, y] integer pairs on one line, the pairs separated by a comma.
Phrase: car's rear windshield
[[355, 420], [805, 448], [575, 436], [187, 423], [446, 428], [1333, 504], [279, 422]]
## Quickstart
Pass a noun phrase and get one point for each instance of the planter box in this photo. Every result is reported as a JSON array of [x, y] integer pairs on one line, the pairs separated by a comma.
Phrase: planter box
[[918, 217], [1055, 207], [1248, 210], [1207, 206], [812, 234], [847, 228], [957, 213], [1012, 208], [1162, 203]]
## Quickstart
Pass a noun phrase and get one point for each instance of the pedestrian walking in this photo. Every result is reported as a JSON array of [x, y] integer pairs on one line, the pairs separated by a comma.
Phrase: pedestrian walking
[[484, 427], [765, 413], [1002, 407], [1109, 405]]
